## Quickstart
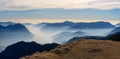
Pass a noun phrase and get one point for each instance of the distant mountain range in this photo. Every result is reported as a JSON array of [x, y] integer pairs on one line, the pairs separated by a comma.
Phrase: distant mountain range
[[6, 23], [67, 25], [55, 26], [20, 49], [92, 25], [15, 30], [81, 46], [65, 36], [78, 47], [64, 31]]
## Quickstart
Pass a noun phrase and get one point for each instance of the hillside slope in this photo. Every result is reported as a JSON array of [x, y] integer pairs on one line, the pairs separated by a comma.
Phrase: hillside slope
[[82, 49]]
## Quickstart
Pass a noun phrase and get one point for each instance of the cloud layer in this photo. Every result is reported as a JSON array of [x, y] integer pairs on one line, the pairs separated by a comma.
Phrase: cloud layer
[[66, 4]]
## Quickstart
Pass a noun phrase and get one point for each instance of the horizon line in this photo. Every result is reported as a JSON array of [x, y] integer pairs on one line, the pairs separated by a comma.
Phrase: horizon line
[[58, 21]]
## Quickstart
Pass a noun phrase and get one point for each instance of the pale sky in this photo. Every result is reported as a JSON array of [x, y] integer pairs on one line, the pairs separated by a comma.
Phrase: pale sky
[[66, 4], [35, 11]]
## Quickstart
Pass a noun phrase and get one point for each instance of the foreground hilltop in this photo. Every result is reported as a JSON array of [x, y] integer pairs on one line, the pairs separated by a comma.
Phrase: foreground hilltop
[[82, 49]]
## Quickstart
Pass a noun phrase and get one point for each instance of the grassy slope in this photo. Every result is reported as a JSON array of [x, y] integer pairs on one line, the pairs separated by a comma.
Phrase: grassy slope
[[82, 49]]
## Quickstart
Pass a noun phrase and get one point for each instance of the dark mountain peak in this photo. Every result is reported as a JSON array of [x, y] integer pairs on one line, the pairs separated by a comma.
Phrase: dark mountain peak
[[25, 43], [20, 45], [20, 49]]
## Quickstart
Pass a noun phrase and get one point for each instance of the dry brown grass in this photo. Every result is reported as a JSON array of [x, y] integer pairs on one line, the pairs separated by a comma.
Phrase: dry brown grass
[[82, 49]]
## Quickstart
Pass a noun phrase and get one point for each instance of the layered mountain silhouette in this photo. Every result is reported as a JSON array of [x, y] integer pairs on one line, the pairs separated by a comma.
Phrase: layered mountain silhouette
[[15, 30], [56, 26], [6, 23], [21, 49], [92, 25], [79, 47], [82, 49], [65, 36], [67, 25]]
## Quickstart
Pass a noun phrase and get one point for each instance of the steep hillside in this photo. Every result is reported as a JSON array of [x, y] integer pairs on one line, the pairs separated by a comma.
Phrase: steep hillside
[[82, 49]]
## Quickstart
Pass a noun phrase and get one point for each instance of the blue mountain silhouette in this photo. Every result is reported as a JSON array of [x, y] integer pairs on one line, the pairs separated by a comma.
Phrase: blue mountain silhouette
[[15, 30]]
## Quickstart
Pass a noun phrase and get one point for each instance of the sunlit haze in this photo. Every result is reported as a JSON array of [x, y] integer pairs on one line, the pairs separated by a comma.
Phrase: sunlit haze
[[36, 21]]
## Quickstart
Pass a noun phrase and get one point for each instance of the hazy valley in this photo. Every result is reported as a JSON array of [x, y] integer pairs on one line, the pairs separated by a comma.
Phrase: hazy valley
[[59, 29], [53, 33]]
